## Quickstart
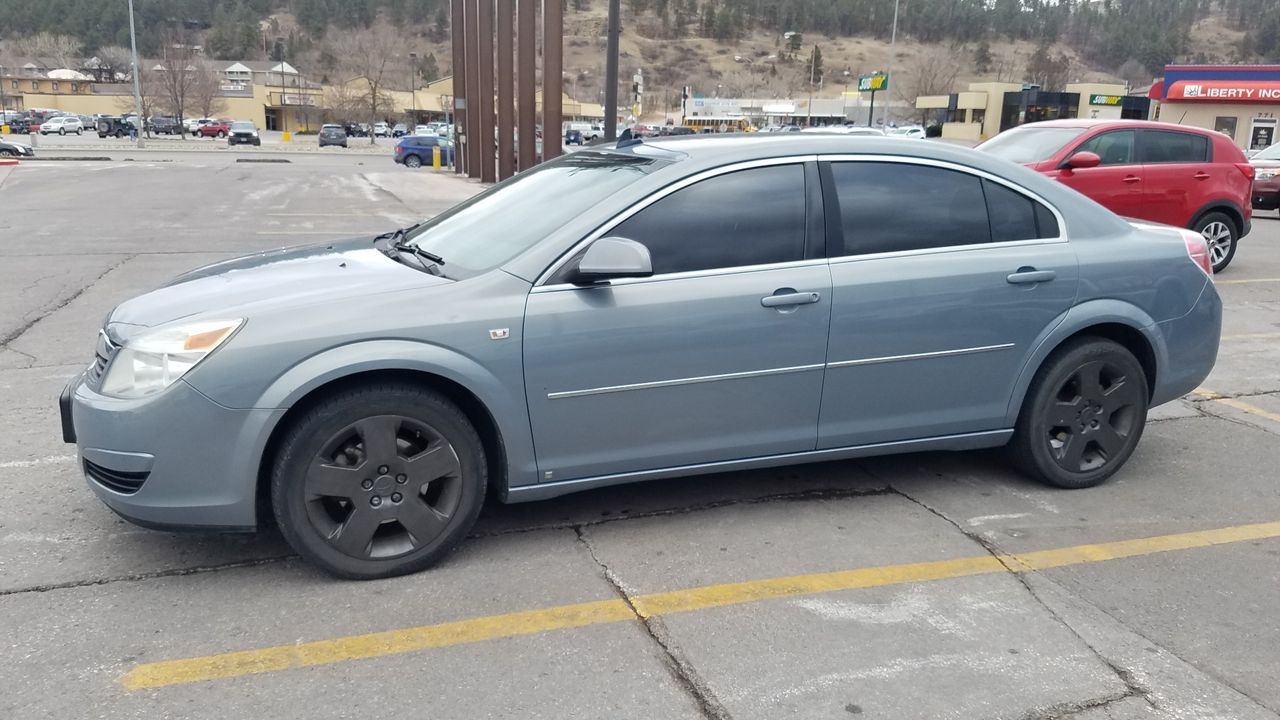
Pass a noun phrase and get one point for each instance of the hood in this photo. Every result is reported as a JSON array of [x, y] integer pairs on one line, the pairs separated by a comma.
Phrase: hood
[[272, 280]]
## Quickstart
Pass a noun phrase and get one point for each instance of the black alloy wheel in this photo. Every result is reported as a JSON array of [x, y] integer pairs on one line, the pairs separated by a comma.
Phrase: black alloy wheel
[[379, 481], [1083, 415]]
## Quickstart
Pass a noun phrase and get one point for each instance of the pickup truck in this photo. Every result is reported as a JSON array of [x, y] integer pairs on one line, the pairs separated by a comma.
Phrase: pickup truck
[[217, 128]]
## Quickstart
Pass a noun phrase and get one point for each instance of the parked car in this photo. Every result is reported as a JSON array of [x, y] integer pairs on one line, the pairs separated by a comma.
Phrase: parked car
[[572, 137], [164, 126], [1266, 179], [62, 124], [243, 132], [416, 150], [908, 131], [675, 130], [381, 130], [1171, 174], [10, 149], [423, 130], [332, 135], [113, 127], [214, 128], [590, 131], [193, 124], [493, 348], [356, 129], [399, 130]]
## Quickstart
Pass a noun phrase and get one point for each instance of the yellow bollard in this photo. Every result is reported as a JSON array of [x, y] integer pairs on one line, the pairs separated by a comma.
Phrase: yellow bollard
[[435, 157], [4, 129], [286, 137]]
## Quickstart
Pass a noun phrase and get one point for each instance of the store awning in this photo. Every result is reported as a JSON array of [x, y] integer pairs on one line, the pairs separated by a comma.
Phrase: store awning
[[1229, 91]]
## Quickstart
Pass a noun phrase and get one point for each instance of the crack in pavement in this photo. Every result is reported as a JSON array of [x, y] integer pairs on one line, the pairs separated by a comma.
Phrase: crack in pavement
[[18, 332], [137, 577], [680, 668], [1069, 709]]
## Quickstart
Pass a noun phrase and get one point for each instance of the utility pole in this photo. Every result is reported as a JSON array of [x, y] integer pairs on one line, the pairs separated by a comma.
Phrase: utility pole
[[413, 86], [611, 73], [813, 69], [893, 40], [137, 85]]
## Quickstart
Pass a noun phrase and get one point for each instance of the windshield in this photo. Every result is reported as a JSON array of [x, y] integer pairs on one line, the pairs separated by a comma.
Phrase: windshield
[[512, 216], [243, 126], [1030, 144], [1271, 153]]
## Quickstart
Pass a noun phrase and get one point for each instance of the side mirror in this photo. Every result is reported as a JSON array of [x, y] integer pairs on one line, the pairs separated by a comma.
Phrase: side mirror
[[1083, 159], [612, 257]]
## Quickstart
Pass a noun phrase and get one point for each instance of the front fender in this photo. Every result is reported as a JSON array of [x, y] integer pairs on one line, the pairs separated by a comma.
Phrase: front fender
[[504, 400], [1076, 319]]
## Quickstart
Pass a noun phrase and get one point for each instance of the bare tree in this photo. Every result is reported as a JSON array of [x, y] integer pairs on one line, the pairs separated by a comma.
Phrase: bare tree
[[176, 76], [152, 92], [60, 50], [110, 64], [205, 95], [930, 73], [370, 59]]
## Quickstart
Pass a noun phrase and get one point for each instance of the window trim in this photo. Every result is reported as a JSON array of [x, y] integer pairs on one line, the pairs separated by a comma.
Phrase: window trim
[[543, 284], [832, 204], [1146, 134]]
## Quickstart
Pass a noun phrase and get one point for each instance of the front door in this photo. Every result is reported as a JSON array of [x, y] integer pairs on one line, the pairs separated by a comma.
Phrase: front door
[[942, 284], [1117, 183], [718, 356], [1262, 133]]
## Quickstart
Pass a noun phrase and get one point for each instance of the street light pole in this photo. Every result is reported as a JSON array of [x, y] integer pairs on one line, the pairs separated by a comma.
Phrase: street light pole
[[893, 40], [413, 87], [137, 85]]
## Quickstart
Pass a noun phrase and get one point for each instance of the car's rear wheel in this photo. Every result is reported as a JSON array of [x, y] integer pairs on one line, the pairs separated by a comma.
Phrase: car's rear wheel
[[6, 152], [412, 161], [1220, 234], [1083, 414], [378, 481]]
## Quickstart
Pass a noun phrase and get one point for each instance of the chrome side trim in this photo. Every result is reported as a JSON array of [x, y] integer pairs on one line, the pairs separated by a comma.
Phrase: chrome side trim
[[960, 441], [845, 259], [919, 356], [811, 262], [681, 381], [658, 195]]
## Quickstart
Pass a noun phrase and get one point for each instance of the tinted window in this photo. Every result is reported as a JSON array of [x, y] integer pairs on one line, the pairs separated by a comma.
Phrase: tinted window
[[1160, 146], [1115, 147], [888, 207], [1015, 216], [749, 217], [1030, 144]]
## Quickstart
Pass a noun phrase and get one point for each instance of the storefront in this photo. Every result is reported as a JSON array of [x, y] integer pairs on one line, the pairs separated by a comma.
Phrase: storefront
[[1241, 101], [989, 108]]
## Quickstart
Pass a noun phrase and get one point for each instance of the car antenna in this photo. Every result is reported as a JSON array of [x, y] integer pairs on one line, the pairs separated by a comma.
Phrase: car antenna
[[633, 140]]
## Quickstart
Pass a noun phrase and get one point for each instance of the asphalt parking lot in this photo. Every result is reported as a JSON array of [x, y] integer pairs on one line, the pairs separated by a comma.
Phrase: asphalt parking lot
[[918, 586]]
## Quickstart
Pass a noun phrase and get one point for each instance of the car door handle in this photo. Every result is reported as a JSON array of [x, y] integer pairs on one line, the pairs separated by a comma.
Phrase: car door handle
[[1202, 175], [795, 298], [1131, 179], [1028, 275]]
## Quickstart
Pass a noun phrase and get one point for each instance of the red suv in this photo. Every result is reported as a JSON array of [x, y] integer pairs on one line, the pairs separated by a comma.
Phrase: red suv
[[1159, 172], [217, 128]]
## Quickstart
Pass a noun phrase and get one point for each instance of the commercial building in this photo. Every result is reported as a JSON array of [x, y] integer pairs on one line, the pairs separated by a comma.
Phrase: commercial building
[[1242, 101], [988, 108], [849, 107]]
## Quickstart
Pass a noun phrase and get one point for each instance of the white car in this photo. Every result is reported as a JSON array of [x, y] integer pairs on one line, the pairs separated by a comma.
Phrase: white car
[[381, 130], [62, 125], [423, 130], [845, 130], [910, 131], [590, 131], [193, 124]]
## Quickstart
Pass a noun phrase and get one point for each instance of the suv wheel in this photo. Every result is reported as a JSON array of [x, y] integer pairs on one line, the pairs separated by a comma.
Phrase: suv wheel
[[378, 481], [1083, 414], [1220, 234], [412, 161], [221, 134]]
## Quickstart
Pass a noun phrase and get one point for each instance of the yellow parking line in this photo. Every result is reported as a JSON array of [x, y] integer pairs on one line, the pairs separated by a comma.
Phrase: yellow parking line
[[1237, 404], [1245, 281], [529, 622]]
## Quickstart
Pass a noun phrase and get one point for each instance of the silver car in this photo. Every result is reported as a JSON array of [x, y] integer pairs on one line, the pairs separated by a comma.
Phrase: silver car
[[642, 310]]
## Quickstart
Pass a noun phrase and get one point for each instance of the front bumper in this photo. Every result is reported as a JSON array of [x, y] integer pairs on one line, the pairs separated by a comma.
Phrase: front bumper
[[1266, 195], [237, 140], [176, 460]]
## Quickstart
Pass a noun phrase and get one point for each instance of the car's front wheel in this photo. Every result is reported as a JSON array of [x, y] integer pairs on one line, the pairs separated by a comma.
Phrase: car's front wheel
[[1220, 234], [412, 161], [378, 481], [1083, 414]]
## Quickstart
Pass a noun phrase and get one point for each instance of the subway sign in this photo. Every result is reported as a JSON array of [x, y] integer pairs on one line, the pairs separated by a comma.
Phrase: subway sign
[[1106, 99], [873, 83], [1241, 91]]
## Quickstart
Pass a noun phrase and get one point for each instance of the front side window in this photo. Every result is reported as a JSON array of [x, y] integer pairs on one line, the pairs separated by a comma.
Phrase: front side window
[[1030, 144], [747, 217], [1164, 146], [892, 207], [1115, 147]]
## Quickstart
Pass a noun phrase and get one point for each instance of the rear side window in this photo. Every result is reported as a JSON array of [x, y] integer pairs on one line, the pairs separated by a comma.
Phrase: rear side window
[[1015, 216], [748, 217], [891, 207], [1168, 146], [1115, 147]]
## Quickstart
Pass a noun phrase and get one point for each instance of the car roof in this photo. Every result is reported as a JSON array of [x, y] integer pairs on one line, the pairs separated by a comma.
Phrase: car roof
[[1111, 124]]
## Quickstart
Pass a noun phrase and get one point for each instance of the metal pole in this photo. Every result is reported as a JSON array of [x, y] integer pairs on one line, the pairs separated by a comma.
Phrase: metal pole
[[552, 83], [137, 85], [484, 101], [413, 86], [506, 91], [526, 91], [611, 73], [871, 116], [457, 27], [893, 40], [813, 69], [471, 45]]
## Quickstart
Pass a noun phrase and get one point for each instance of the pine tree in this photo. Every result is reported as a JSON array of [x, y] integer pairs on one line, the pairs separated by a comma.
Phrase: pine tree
[[982, 57]]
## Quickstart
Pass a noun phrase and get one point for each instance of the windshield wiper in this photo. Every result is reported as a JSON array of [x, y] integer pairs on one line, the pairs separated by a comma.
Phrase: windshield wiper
[[396, 235], [424, 254]]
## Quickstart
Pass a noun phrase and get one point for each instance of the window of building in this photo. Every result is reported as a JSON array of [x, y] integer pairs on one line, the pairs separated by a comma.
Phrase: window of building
[[55, 86], [1226, 125], [881, 210], [748, 217], [1162, 146], [75, 87], [1115, 147], [35, 86], [13, 84]]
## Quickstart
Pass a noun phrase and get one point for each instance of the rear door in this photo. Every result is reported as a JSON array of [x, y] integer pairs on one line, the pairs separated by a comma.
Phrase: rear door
[[942, 282], [1178, 175], [1117, 183]]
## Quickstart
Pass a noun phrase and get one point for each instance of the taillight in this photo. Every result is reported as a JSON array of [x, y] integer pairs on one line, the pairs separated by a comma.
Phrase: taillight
[[1198, 250], [1248, 170]]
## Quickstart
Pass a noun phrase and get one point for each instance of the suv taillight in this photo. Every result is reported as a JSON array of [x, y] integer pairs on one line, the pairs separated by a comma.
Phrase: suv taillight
[[1248, 170], [1198, 250]]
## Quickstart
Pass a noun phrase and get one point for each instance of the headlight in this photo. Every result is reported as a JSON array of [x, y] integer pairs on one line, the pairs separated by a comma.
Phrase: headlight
[[155, 359], [1267, 173]]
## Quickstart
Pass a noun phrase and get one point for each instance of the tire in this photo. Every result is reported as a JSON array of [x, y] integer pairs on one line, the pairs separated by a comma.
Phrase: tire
[[221, 134], [62, 131], [412, 161], [1221, 234], [5, 152], [1082, 442], [80, 131], [431, 475]]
